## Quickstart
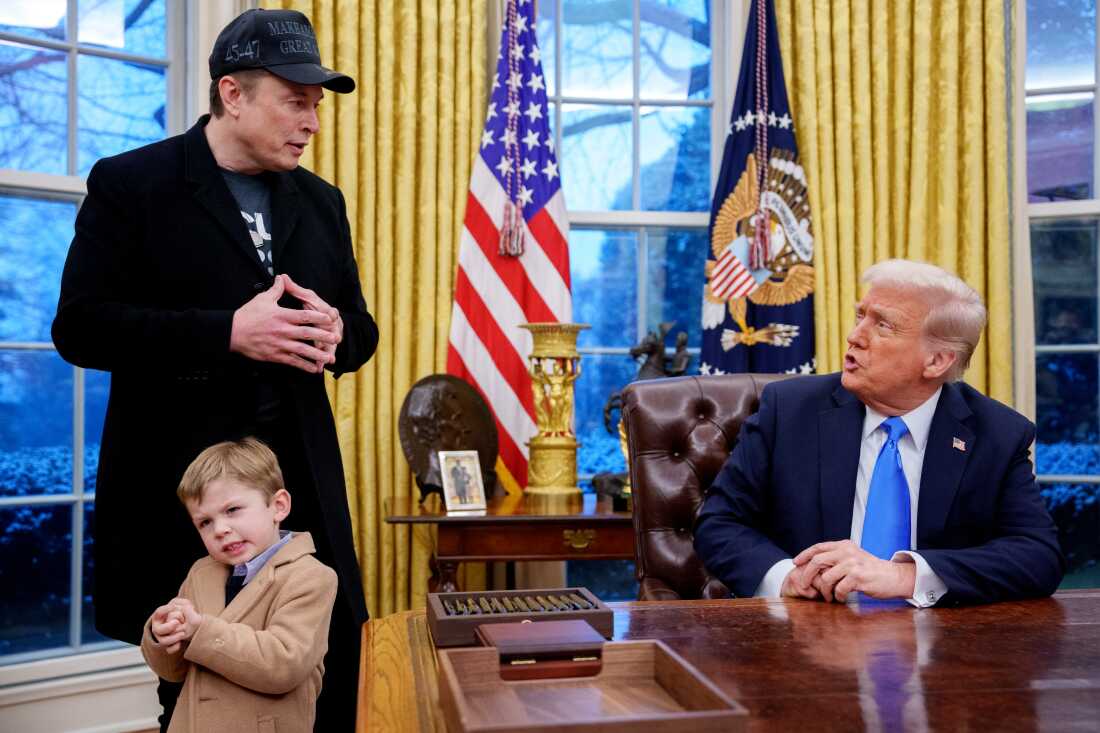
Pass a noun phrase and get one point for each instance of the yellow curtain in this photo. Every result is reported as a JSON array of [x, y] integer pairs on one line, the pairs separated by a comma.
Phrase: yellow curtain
[[901, 118], [400, 148]]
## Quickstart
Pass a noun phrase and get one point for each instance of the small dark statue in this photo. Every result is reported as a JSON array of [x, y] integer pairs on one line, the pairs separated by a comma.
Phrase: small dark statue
[[657, 364], [442, 412]]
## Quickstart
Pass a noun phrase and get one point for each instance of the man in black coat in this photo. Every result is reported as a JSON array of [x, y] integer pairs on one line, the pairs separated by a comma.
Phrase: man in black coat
[[216, 279]]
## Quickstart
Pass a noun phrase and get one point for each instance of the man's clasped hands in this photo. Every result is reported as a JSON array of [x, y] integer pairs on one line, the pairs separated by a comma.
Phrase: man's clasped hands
[[305, 339], [831, 571]]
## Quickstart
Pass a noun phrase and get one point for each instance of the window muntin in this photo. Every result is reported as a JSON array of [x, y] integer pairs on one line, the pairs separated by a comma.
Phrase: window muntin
[[635, 116], [1064, 213], [72, 88]]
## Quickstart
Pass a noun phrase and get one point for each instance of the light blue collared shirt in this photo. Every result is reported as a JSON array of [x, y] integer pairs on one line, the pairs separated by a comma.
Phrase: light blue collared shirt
[[250, 568]]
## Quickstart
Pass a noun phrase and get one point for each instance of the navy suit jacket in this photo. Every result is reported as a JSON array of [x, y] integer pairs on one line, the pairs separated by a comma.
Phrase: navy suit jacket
[[791, 480]]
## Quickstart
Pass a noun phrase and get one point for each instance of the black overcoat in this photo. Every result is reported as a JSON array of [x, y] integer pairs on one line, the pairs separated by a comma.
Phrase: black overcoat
[[160, 260]]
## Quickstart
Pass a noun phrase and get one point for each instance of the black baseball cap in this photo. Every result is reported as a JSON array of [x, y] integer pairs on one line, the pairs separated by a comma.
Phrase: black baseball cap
[[280, 41]]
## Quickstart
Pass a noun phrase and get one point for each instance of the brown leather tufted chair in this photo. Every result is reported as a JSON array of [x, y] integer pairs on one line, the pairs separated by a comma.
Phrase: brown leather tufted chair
[[679, 433]]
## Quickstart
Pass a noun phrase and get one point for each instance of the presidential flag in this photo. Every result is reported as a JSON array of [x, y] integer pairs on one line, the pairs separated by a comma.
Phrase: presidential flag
[[758, 301], [513, 261]]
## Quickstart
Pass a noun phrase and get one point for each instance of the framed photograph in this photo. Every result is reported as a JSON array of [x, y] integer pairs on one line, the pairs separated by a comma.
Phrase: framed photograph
[[463, 489]]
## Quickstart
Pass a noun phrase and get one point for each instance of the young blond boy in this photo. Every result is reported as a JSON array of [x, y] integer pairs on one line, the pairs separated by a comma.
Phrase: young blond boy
[[248, 650]]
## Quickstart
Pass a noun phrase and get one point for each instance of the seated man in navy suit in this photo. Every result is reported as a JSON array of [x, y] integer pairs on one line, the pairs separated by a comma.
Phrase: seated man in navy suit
[[892, 478]]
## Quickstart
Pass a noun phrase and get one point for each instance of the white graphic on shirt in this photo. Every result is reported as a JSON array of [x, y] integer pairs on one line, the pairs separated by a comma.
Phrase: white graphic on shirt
[[260, 235]]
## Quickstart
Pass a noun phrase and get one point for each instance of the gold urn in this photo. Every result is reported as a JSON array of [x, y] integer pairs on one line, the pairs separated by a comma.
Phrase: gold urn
[[555, 364]]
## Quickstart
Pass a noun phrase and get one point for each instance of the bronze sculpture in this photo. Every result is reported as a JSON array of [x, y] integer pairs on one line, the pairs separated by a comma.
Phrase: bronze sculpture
[[656, 365], [443, 412]]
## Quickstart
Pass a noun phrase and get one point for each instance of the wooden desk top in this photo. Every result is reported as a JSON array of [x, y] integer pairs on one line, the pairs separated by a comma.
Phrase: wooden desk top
[[810, 666], [515, 508]]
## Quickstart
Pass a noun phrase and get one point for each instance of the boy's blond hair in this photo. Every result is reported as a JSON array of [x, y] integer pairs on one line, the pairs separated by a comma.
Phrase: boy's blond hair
[[247, 461]]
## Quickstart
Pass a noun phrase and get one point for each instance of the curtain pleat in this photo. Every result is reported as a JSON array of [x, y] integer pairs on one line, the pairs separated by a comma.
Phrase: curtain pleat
[[902, 128], [400, 148]]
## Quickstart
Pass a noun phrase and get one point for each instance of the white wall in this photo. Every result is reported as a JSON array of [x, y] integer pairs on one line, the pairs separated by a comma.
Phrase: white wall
[[100, 692]]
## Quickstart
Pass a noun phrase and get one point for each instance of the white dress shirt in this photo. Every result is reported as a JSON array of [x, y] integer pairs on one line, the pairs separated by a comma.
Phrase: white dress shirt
[[928, 589]]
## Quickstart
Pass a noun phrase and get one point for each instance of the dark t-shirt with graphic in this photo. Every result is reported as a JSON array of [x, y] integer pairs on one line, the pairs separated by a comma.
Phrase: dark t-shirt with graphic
[[253, 195]]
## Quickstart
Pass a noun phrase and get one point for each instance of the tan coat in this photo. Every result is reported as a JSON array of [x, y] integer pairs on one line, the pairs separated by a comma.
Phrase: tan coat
[[256, 664]]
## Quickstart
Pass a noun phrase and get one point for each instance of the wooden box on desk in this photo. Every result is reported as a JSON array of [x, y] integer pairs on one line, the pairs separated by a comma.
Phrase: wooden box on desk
[[642, 683], [451, 630]]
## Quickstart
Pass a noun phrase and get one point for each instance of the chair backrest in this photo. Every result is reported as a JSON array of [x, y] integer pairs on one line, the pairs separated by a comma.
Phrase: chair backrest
[[679, 433]]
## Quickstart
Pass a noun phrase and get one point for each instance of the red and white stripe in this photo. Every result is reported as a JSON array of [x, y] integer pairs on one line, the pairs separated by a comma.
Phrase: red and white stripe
[[494, 294], [730, 278]]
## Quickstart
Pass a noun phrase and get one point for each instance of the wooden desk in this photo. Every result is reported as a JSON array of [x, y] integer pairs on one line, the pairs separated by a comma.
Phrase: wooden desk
[[520, 528], [810, 666]]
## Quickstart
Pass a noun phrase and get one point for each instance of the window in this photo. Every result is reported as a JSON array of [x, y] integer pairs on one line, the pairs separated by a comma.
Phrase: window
[[638, 106], [1064, 217], [79, 80]]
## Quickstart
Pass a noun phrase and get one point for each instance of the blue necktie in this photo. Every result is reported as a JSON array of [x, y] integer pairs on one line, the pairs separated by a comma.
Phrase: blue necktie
[[886, 522], [233, 586], [890, 668]]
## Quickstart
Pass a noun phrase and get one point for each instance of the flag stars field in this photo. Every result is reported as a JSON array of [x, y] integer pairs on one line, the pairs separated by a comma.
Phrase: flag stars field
[[783, 122]]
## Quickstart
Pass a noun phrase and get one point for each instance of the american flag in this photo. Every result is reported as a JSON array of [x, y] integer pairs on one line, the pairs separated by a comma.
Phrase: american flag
[[513, 260]]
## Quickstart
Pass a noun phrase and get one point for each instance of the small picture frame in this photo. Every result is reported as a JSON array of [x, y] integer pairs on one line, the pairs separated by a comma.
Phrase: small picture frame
[[463, 489]]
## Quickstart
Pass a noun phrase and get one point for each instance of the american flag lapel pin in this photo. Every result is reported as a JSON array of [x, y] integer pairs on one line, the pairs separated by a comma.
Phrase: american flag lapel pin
[[958, 444]]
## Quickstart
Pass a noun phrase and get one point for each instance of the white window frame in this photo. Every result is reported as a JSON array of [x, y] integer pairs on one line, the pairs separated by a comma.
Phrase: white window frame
[[71, 188], [104, 686], [728, 21], [1026, 349], [727, 33]]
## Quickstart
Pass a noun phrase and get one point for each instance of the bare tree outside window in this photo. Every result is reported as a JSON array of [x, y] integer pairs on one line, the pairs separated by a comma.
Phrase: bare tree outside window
[[632, 108], [64, 103]]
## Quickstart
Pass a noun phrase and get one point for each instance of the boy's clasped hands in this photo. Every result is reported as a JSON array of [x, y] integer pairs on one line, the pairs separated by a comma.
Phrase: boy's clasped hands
[[175, 623]]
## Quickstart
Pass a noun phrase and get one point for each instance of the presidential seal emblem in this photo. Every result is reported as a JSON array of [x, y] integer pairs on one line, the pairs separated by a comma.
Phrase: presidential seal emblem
[[786, 276]]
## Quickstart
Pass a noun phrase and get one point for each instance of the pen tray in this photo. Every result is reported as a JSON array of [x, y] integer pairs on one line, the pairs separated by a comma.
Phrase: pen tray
[[450, 628]]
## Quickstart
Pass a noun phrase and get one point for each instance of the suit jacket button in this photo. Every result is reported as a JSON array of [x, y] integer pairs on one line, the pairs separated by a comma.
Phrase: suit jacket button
[[259, 287]]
